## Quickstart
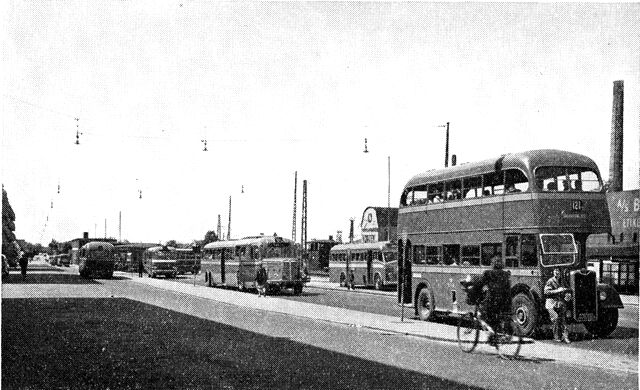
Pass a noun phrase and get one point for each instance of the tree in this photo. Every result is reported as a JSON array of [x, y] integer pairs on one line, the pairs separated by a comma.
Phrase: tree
[[9, 248], [210, 236], [172, 243]]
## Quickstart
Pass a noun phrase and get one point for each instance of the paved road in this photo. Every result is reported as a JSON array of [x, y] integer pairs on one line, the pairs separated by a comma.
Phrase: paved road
[[250, 348], [623, 340]]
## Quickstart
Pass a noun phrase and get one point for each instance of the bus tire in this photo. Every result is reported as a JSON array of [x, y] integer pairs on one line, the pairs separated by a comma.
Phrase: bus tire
[[425, 304], [377, 282], [297, 289], [607, 323], [343, 280], [525, 314]]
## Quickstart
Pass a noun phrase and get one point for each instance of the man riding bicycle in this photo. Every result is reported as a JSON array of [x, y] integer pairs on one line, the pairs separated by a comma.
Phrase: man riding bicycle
[[496, 302]]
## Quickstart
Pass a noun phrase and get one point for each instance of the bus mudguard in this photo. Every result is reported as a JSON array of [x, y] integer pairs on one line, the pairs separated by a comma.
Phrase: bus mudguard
[[611, 297]]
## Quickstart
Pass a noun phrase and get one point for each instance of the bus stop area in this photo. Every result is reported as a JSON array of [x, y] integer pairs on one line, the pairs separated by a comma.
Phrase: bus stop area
[[440, 333]]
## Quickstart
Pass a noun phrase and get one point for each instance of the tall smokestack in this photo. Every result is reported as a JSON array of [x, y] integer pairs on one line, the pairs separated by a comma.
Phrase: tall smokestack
[[615, 162]]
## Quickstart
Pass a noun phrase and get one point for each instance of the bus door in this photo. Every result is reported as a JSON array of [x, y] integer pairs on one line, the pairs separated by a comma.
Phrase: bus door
[[369, 267]]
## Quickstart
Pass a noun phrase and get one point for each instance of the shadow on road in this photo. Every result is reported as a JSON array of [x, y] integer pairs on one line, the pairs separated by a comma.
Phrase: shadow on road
[[41, 278], [119, 343]]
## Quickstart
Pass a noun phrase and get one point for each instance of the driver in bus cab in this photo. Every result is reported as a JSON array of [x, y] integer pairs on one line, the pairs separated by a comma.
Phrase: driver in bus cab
[[496, 285]]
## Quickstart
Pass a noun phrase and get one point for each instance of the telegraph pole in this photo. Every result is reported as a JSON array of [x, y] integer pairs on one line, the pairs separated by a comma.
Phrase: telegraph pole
[[295, 191], [446, 149], [229, 226]]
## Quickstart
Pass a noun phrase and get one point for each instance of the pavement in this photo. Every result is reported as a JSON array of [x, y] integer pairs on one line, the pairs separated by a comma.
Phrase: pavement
[[531, 350]]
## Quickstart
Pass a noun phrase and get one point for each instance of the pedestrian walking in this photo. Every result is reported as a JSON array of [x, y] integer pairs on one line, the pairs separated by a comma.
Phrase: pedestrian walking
[[352, 280], [24, 262], [140, 267], [261, 281], [555, 304]]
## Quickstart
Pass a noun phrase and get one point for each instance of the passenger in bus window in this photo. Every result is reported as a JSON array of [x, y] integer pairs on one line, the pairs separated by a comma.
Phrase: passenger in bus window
[[511, 188], [577, 185], [565, 185], [552, 186]]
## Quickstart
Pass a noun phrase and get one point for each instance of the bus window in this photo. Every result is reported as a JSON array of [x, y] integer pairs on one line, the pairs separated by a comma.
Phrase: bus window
[[240, 251], [470, 255], [436, 193], [511, 251], [450, 254], [432, 254], [419, 195], [454, 190], [255, 253], [473, 187], [557, 249], [390, 256], [488, 251], [493, 183], [516, 181], [584, 180], [418, 254], [528, 252], [574, 179]]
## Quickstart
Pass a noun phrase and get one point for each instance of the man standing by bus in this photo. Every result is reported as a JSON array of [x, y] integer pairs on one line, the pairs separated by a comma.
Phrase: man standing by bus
[[496, 302], [261, 281], [556, 306]]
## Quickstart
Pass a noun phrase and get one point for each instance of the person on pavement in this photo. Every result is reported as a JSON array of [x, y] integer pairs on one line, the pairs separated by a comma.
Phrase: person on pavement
[[24, 262], [261, 281], [555, 304]]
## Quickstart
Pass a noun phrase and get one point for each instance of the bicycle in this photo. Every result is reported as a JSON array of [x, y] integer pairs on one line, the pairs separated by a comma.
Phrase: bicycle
[[507, 339]]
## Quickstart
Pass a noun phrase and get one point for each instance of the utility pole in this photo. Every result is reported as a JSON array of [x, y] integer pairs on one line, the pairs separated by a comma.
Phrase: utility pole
[[219, 231], [295, 191], [303, 230], [229, 226], [105, 228], [120, 226], [446, 149], [389, 181]]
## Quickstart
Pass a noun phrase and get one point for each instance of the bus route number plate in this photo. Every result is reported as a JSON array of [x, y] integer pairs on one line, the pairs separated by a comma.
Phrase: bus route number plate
[[576, 205]]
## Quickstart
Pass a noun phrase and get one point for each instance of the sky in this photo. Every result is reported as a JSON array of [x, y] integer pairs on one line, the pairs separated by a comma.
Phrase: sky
[[277, 88]]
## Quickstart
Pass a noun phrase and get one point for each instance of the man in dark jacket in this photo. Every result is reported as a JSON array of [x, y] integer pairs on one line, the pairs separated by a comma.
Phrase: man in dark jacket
[[261, 281], [554, 291], [497, 296]]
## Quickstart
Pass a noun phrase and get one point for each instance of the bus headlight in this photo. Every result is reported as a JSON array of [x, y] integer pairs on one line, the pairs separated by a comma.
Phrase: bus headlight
[[603, 296]]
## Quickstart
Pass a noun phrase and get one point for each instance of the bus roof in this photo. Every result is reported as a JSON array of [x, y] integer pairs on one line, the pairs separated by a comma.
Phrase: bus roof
[[361, 246], [525, 161], [247, 241], [100, 245], [161, 248]]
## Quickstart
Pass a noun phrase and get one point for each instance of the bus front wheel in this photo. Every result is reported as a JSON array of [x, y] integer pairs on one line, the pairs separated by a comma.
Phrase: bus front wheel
[[425, 304], [525, 314], [607, 322]]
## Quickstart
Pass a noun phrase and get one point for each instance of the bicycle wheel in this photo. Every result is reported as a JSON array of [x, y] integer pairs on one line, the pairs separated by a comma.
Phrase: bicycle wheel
[[468, 332], [509, 339]]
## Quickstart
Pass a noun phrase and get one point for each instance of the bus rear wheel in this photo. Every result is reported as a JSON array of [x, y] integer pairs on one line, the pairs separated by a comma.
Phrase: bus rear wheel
[[607, 323], [425, 304], [525, 314]]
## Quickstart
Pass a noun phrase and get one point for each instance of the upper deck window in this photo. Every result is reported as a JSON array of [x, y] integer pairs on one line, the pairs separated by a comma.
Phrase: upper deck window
[[567, 179]]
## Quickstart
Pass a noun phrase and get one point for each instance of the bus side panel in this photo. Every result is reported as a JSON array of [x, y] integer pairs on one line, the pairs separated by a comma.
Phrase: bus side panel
[[336, 268]]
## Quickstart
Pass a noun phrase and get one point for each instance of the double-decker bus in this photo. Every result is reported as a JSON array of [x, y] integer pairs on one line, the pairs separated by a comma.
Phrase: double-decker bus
[[96, 259], [374, 264], [187, 261], [535, 209], [235, 263], [160, 260]]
